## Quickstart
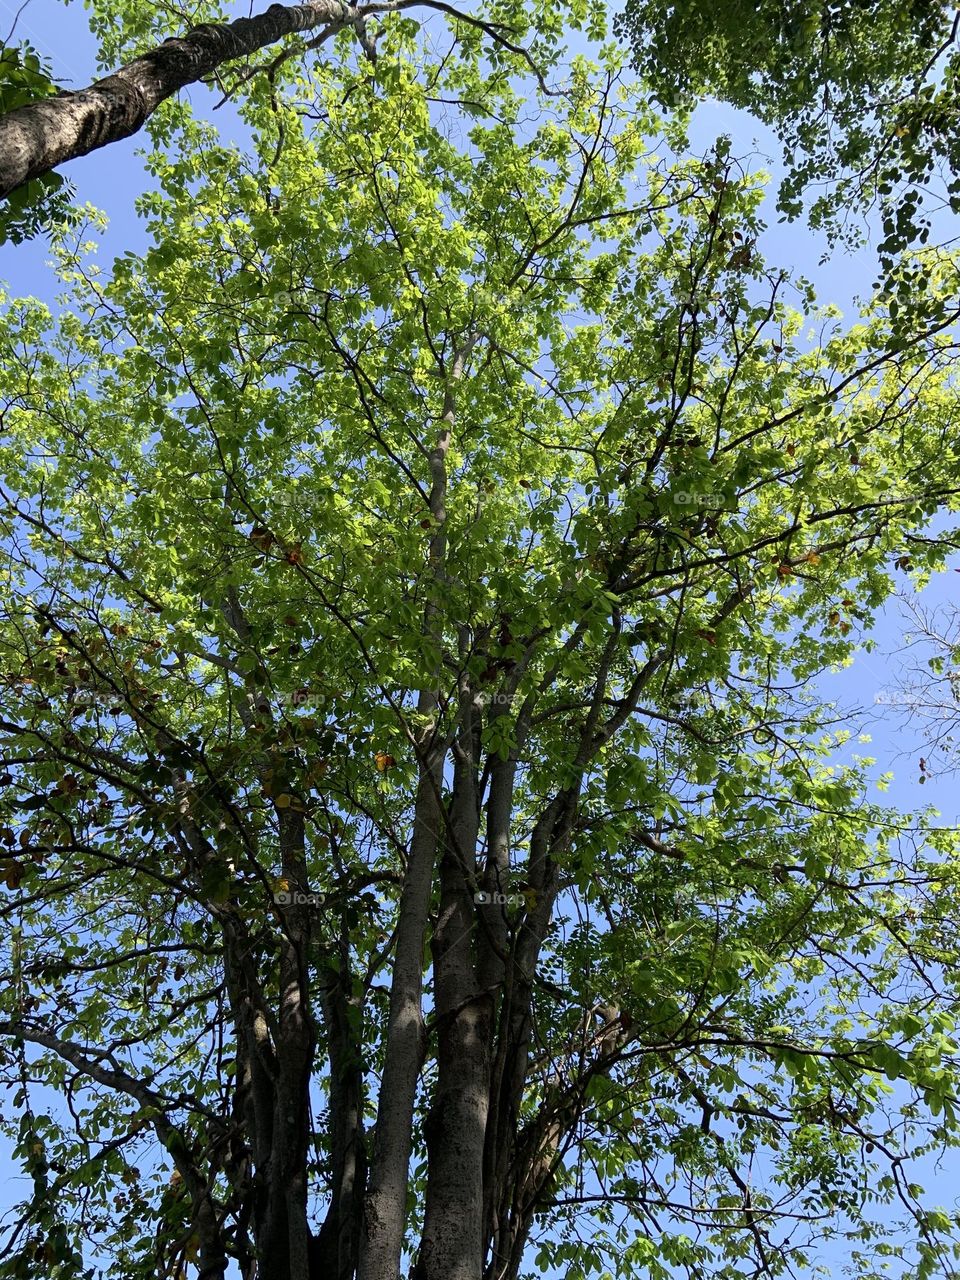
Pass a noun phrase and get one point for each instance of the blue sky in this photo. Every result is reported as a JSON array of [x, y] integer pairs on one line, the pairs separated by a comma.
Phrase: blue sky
[[111, 179]]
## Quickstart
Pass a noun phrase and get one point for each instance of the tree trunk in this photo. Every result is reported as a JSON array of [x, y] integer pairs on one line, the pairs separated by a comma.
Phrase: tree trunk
[[336, 1251], [385, 1206], [41, 135], [455, 1128]]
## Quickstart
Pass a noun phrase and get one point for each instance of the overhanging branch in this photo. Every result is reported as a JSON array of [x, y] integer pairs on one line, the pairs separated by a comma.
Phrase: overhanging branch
[[37, 137]]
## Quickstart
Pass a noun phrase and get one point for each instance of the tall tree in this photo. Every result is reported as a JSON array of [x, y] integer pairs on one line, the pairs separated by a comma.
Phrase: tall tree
[[420, 844]]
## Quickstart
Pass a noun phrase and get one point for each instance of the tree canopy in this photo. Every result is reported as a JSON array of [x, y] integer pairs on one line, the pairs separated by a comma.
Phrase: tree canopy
[[863, 96], [424, 845]]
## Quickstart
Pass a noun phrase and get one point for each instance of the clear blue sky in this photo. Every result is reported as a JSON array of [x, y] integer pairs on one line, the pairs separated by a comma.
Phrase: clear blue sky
[[112, 178]]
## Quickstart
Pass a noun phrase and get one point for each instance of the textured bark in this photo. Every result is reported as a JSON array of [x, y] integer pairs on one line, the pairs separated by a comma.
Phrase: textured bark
[[282, 1231], [515, 1172], [452, 1243], [279, 1052], [41, 135], [253, 1102], [513, 1041], [386, 1201], [336, 1251]]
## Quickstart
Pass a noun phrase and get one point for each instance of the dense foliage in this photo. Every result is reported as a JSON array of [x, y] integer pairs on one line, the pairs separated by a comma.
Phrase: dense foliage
[[863, 96], [421, 830]]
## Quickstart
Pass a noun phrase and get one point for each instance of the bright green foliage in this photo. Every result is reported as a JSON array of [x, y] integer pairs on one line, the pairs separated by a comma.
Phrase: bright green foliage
[[675, 493], [864, 95]]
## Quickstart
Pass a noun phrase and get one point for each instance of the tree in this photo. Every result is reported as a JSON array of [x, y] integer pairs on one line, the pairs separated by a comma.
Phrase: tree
[[45, 200], [419, 841], [861, 93], [38, 131], [863, 96]]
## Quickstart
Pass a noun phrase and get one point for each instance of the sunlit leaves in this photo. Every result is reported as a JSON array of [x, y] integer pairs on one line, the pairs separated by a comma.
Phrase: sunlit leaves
[[244, 592]]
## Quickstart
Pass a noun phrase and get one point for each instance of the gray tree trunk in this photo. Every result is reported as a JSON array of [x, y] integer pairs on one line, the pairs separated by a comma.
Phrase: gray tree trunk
[[41, 135]]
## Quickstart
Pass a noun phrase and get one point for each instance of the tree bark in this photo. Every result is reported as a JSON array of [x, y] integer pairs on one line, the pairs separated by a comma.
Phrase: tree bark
[[336, 1250], [283, 1233], [386, 1200], [455, 1127], [39, 136]]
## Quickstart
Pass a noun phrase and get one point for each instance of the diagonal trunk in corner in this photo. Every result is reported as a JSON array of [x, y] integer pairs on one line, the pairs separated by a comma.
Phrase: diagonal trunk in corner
[[37, 137]]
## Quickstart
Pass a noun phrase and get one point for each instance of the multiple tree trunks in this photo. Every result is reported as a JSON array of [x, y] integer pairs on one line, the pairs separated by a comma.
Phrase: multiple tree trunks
[[481, 1053], [483, 991], [246, 1178]]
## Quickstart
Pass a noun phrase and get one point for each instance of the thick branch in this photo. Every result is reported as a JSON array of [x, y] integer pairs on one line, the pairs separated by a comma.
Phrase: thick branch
[[36, 138], [41, 135]]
